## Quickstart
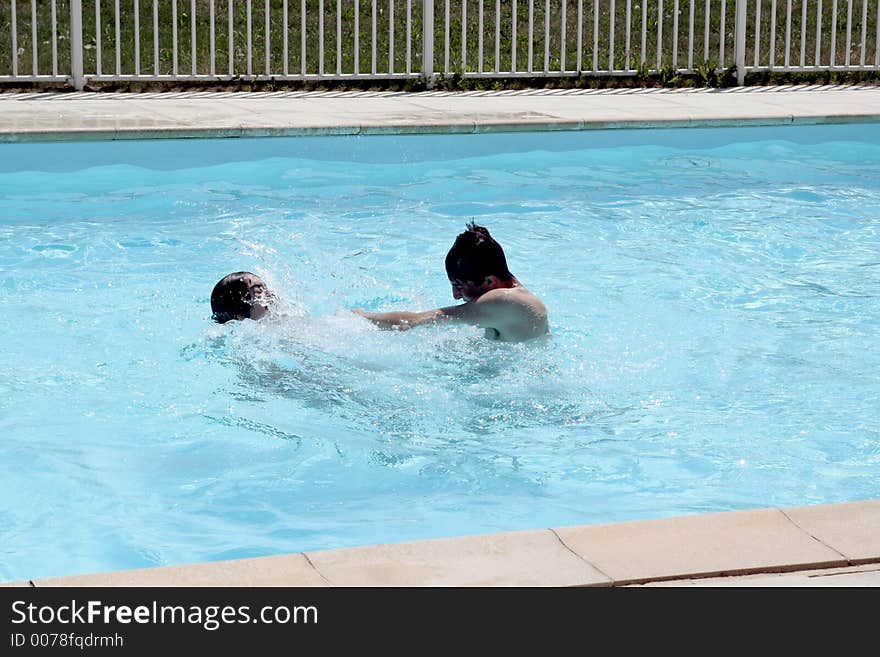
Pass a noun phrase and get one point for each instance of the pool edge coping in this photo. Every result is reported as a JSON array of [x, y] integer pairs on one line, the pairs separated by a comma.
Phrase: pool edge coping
[[416, 128], [730, 544], [36, 117]]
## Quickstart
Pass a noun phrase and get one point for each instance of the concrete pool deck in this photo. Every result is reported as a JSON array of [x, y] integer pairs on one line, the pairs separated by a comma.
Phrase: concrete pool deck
[[89, 115], [826, 545]]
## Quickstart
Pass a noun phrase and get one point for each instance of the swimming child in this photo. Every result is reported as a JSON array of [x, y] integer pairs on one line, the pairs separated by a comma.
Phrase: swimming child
[[240, 295], [494, 299]]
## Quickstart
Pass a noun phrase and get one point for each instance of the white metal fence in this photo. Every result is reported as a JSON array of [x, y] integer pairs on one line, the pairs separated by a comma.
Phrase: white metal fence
[[82, 41]]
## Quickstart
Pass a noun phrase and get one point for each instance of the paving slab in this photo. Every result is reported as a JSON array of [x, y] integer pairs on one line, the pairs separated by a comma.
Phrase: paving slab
[[737, 542], [531, 558], [851, 528], [285, 570]]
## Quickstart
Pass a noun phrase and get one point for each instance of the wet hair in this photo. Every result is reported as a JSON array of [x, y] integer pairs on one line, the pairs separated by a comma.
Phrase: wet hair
[[239, 295], [475, 256]]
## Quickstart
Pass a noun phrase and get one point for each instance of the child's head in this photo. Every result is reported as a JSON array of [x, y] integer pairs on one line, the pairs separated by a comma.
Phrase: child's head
[[475, 255], [240, 295]]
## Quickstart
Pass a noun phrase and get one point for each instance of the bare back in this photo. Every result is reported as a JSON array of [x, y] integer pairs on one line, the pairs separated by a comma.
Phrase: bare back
[[508, 314]]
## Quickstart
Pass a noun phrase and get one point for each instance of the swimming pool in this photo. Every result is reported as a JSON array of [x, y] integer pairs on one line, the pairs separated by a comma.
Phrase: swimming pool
[[713, 298]]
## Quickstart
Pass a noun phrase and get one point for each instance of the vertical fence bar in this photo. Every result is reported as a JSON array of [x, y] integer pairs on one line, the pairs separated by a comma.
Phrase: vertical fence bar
[[373, 33], [513, 36], [772, 33], [531, 31], [547, 36], [611, 38], [231, 35], [14, 28], [706, 35], [249, 25], [757, 31], [55, 37], [137, 39], [320, 37], [877, 40], [34, 40], [580, 36], [174, 37], [628, 17], [357, 37], [722, 36], [155, 38], [803, 60], [562, 38], [740, 40], [391, 36], [338, 36], [268, 53], [595, 35], [302, 38], [285, 38], [864, 30], [428, 40], [212, 38], [644, 56], [849, 5], [818, 32], [446, 39], [480, 36], [497, 36], [463, 37], [76, 43], [659, 33], [788, 34], [675, 35], [691, 38], [192, 36], [408, 37], [833, 32]]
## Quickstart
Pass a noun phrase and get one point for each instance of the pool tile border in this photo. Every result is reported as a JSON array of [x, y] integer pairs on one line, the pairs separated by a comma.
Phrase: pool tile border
[[673, 550]]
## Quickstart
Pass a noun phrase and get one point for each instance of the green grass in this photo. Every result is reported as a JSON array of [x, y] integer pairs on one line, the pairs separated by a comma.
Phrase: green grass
[[342, 53]]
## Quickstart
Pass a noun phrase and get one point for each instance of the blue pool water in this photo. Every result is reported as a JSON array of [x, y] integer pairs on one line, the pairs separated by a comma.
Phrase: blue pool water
[[714, 298]]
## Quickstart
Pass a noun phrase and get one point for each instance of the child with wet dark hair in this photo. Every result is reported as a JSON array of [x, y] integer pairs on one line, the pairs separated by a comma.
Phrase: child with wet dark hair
[[240, 295], [494, 299]]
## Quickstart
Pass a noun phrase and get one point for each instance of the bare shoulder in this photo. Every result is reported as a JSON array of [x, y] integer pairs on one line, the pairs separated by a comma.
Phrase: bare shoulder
[[514, 296], [516, 313]]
